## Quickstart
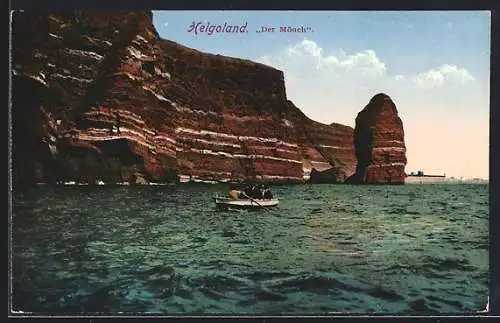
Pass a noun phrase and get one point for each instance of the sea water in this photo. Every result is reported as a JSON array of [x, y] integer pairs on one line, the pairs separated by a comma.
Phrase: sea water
[[413, 249]]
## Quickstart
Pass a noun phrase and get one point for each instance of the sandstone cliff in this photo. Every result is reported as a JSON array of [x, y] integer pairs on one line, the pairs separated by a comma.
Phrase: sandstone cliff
[[379, 144], [184, 114]]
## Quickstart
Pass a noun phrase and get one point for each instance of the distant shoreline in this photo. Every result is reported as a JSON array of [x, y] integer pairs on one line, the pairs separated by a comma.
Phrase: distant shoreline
[[71, 183]]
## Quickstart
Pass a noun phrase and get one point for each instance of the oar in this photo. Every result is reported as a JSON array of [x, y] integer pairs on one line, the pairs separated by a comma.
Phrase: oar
[[244, 194]]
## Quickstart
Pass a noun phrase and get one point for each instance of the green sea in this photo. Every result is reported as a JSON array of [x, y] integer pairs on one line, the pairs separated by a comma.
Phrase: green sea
[[412, 249]]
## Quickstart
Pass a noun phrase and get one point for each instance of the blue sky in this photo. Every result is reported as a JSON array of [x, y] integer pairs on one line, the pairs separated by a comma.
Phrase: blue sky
[[435, 66]]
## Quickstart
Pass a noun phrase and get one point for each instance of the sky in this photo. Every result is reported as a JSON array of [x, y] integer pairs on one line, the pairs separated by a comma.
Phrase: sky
[[433, 64]]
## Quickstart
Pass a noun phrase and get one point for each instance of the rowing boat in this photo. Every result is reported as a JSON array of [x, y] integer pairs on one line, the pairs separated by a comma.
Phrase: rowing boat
[[227, 202]]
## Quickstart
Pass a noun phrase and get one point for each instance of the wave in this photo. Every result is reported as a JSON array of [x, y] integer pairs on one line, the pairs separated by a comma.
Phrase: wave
[[325, 283], [422, 306], [448, 264], [166, 250]]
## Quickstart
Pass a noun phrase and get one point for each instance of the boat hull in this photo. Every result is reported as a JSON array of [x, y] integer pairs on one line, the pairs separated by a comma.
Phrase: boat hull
[[226, 203]]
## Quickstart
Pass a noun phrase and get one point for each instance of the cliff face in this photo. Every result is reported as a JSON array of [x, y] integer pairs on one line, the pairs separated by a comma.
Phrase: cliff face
[[335, 144], [379, 144], [183, 114]]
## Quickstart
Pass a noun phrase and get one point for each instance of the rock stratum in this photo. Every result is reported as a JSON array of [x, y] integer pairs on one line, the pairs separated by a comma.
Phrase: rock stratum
[[379, 144], [184, 115]]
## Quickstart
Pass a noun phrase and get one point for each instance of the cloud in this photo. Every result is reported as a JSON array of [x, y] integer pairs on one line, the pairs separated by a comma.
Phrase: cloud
[[353, 78], [436, 105], [437, 77], [310, 54]]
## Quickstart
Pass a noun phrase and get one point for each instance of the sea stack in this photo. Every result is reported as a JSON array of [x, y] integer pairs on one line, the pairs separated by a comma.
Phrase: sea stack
[[379, 144]]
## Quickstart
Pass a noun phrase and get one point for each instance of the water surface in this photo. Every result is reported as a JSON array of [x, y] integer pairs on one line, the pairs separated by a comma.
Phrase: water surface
[[413, 249]]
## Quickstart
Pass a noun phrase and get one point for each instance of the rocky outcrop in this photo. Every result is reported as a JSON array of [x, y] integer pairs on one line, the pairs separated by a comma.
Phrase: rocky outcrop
[[379, 144], [184, 114], [335, 144]]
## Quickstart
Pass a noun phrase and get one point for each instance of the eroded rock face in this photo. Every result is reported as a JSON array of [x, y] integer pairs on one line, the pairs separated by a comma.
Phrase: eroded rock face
[[183, 114], [379, 144], [335, 144]]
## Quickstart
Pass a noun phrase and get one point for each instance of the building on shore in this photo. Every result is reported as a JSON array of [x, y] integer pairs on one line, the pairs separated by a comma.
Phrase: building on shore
[[421, 178]]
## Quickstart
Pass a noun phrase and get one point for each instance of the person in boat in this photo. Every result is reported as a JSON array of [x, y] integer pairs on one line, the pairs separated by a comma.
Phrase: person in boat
[[257, 192], [234, 192], [249, 190], [267, 194]]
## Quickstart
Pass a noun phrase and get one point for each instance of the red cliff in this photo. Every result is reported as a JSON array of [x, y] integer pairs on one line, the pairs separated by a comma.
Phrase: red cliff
[[183, 114], [379, 144]]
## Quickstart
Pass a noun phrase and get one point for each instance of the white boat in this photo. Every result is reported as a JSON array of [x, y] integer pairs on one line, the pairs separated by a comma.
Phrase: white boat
[[227, 202]]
